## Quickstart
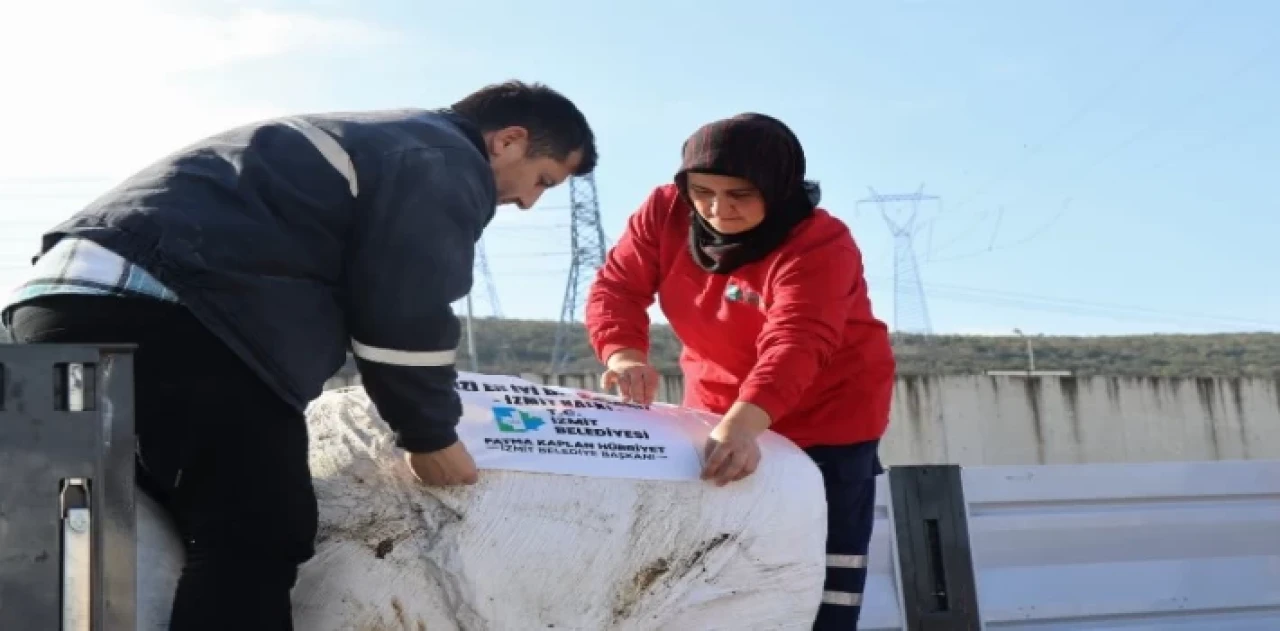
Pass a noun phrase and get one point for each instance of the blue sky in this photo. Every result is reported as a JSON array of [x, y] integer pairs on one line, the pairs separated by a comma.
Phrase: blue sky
[[1103, 167]]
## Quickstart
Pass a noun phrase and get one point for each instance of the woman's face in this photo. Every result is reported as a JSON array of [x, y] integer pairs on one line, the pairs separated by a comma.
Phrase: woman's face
[[730, 204]]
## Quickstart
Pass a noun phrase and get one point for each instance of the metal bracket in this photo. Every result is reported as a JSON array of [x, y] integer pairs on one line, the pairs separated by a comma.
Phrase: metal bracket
[[77, 554]]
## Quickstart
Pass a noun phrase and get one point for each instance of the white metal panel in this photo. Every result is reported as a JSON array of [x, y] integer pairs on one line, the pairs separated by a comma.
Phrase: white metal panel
[[1168, 546], [881, 599]]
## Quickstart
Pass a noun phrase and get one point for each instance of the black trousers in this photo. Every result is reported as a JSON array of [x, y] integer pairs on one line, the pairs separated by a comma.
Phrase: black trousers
[[849, 476], [217, 448]]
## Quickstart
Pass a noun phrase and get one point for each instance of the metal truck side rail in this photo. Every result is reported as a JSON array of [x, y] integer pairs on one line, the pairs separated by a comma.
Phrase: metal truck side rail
[[1104, 547]]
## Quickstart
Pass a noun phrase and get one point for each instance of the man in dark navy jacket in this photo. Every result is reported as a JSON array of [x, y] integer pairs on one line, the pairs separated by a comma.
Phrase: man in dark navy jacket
[[246, 266]]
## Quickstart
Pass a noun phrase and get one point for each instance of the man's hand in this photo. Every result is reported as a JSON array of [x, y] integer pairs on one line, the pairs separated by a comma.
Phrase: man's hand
[[732, 450], [629, 371], [450, 466]]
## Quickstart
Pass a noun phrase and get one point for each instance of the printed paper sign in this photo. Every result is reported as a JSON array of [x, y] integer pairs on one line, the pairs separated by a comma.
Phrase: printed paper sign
[[514, 424]]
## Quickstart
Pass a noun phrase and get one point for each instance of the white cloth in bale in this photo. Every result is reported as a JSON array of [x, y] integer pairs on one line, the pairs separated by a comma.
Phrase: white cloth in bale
[[619, 547]]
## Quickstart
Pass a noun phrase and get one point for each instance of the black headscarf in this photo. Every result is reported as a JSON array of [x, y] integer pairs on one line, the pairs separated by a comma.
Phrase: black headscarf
[[761, 150]]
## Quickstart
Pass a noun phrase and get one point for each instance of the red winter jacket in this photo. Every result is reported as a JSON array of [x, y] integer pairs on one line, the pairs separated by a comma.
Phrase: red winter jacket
[[792, 333]]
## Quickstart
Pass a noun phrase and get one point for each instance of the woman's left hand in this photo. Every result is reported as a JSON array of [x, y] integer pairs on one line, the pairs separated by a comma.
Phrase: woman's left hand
[[732, 450]]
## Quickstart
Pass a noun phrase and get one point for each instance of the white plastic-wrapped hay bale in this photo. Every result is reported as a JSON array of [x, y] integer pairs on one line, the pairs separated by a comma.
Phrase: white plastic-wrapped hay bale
[[588, 516]]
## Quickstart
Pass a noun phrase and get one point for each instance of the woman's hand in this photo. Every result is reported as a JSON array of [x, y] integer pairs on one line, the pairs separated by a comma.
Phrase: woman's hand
[[732, 450], [629, 371]]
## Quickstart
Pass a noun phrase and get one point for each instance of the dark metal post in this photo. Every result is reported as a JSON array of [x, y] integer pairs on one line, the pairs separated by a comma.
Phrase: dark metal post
[[939, 591], [68, 540]]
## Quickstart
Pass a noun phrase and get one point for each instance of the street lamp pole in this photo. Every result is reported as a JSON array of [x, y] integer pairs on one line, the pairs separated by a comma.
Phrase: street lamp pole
[[1031, 351]]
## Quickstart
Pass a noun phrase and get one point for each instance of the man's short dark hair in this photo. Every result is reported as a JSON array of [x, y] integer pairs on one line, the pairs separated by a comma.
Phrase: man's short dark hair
[[556, 127]]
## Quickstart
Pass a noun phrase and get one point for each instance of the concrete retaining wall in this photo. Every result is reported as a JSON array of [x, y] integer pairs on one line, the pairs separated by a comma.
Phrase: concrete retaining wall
[[982, 420]]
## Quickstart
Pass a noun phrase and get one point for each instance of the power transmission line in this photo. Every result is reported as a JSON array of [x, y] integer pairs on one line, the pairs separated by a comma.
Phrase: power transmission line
[[1078, 307], [1031, 150], [526, 228], [1036, 232], [534, 255], [1088, 167]]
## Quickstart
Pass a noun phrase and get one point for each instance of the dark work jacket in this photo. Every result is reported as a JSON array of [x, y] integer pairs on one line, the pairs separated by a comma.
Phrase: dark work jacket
[[297, 239]]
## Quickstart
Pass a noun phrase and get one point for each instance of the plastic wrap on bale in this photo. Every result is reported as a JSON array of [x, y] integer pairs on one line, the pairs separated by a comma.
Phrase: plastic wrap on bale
[[523, 550]]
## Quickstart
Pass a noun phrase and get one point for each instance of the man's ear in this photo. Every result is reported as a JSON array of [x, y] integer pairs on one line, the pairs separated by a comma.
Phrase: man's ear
[[503, 138]]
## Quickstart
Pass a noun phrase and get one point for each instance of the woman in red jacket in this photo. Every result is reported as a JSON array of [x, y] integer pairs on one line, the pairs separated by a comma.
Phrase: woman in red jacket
[[766, 293]]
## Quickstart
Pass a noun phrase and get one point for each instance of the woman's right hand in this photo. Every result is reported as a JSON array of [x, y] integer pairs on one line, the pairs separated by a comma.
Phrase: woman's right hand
[[630, 373]]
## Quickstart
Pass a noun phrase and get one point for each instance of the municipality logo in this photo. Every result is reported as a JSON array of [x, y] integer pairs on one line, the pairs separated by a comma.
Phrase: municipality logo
[[513, 421]]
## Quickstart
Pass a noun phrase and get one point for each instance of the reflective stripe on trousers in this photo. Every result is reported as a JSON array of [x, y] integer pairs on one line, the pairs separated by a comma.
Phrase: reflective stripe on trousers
[[849, 476]]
